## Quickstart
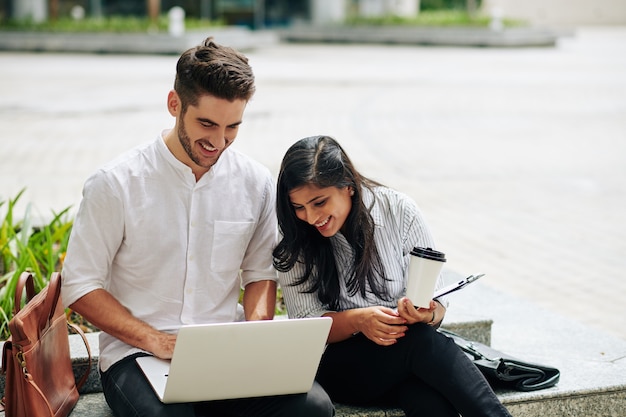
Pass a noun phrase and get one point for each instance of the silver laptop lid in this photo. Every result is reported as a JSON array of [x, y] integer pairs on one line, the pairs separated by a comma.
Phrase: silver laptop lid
[[242, 359]]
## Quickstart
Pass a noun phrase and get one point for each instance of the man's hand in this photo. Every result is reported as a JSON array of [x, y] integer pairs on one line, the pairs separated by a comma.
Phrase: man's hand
[[163, 345]]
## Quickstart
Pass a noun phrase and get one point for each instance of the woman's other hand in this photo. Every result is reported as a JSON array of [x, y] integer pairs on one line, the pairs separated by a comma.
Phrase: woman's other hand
[[382, 325]]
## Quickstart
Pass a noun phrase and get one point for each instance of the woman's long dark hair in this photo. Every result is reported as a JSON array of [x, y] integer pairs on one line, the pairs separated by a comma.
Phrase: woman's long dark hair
[[321, 161]]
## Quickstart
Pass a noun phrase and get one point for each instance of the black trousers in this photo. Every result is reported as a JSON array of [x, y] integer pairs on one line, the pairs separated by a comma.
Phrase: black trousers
[[424, 374], [129, 394]]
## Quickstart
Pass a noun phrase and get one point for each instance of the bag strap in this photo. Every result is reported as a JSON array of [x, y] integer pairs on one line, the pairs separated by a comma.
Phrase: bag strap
[[79, 331], [24, 281], [53, 292], [52, 299], [468, 346], [29, 378]]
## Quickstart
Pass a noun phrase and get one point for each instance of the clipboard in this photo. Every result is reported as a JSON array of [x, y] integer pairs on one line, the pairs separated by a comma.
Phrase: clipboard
[[457, 285]]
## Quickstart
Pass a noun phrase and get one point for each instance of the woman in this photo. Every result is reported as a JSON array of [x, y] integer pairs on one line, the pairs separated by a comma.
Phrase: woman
[[344, 254]]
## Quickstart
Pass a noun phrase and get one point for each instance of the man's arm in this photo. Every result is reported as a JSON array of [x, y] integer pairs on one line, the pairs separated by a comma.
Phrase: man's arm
[[101, 309], [259, 300]]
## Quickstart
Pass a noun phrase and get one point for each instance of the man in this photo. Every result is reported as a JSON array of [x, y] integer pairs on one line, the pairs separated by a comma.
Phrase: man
[[163, 232]]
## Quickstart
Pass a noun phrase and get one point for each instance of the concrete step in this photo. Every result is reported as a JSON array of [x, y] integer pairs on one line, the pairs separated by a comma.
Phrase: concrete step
[[133, 43], [592, 364], [245, 39], [431, 36]]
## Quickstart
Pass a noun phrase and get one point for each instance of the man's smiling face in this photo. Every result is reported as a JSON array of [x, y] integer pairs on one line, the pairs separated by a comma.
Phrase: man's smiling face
[[205, 130]]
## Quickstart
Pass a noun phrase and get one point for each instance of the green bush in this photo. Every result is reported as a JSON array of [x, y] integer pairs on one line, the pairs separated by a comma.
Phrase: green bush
[[445, 4], [27, 247], [451, 18], [111, 24]]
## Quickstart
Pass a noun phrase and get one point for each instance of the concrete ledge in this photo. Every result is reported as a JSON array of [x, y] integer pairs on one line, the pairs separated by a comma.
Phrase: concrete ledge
[[594, 403], [436, 36], [597, 404], [94, 405], [80, 361], [592, 364], [130, 43], [245, 39]]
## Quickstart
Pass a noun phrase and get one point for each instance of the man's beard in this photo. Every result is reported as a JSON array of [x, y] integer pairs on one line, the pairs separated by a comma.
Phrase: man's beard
[[185, 141]]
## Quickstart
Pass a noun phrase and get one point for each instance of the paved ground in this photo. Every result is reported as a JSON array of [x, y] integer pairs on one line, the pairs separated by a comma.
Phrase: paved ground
[[516, 156]]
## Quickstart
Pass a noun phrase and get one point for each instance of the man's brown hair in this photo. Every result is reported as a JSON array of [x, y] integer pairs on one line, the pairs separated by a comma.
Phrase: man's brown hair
[[212, 69]]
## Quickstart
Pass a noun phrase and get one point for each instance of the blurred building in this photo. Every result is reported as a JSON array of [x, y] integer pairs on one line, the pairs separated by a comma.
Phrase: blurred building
[[233, 12], [273, 13], [561, 12]]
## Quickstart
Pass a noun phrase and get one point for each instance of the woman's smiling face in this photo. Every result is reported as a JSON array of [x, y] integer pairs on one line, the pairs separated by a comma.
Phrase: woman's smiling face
[[326, 209]]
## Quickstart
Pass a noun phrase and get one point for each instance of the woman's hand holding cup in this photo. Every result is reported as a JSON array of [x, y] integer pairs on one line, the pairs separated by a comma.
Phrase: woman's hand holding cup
[[413, 315]]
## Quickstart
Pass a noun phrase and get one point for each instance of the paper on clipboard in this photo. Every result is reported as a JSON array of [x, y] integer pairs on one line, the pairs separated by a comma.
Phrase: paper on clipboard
[[457, 285]]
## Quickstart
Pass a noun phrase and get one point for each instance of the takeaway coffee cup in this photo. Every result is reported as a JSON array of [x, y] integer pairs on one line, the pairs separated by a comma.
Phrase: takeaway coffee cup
[[424, 269]]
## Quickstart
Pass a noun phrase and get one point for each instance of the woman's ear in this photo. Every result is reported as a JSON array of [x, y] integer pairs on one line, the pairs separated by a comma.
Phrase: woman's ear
[[351, 191]]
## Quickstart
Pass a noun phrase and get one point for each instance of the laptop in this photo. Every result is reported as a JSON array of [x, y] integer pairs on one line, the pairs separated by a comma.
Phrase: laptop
[[239, 359]]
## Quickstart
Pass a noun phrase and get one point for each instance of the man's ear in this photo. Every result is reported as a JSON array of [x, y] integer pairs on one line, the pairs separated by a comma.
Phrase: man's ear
[[173, 103]]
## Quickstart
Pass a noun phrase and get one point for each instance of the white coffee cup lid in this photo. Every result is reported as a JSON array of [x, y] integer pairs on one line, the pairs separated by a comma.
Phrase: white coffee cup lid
[[429, 253]]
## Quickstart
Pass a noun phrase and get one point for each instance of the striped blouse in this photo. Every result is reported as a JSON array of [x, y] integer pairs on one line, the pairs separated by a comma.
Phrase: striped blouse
[[399, 226]]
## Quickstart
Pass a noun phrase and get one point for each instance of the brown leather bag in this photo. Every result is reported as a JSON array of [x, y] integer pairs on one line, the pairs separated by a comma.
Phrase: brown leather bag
[[36, 358]]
